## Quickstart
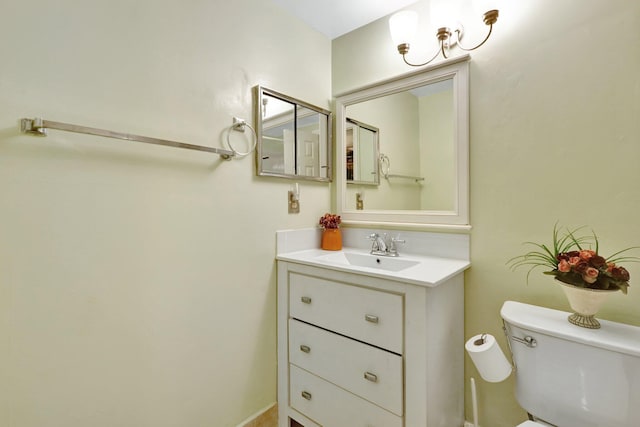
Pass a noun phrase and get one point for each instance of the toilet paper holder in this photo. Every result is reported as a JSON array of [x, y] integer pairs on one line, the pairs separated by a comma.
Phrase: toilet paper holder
[[480, 340]]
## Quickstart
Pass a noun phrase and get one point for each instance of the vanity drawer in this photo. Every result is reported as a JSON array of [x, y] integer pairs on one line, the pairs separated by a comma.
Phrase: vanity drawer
[[369, 372], [331, 406], [374, 317]]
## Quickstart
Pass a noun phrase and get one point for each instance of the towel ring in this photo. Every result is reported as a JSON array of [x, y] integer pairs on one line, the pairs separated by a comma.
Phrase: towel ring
[[240, 128], [385, 165]]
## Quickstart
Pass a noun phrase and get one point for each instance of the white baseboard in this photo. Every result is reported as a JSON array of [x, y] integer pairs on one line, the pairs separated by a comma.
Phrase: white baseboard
[[261, 417]]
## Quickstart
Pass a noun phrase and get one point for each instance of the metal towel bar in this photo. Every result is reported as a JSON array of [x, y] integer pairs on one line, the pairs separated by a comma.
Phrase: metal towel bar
[[39, 127], [385, 166]]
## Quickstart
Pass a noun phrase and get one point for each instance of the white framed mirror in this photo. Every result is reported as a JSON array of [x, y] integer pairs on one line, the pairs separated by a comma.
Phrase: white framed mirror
[[293, 137], [423, 162]]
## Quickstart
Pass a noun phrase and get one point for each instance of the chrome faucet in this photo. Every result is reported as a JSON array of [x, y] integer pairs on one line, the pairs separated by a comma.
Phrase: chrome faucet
[[379, 246], [384, 245]]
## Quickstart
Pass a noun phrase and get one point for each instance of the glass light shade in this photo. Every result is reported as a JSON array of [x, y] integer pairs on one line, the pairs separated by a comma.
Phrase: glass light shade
[[482, 6], [444, 13], [403, 26]]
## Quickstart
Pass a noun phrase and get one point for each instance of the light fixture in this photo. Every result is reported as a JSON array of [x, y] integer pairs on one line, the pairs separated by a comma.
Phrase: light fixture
[[403, 27]]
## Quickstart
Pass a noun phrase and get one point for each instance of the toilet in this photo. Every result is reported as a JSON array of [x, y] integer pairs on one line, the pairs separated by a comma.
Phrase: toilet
[[568, 376]]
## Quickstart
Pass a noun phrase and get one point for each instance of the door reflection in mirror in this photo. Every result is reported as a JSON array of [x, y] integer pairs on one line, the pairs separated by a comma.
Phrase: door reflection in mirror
[[362, 151], [294, 138]]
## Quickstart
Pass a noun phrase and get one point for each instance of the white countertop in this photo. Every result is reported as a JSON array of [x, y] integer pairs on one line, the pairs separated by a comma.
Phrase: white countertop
[[429, 270]]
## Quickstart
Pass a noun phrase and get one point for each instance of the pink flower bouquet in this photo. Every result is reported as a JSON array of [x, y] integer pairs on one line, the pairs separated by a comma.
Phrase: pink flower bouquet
[[572, 264], [330, 221]]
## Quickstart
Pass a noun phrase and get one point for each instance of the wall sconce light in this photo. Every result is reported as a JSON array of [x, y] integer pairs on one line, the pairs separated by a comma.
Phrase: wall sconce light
[[360, 200], [294, 199], [403, 26]]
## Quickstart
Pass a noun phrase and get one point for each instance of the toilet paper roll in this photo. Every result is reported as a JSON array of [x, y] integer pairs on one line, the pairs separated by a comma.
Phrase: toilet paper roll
[[488, 357]]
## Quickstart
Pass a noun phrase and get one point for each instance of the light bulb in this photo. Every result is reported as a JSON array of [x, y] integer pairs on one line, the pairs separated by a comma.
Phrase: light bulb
[[444, 13], [482, 6], [403, 26]]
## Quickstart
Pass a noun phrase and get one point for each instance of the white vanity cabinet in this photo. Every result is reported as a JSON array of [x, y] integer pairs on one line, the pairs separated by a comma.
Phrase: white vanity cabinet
[[356, 350]]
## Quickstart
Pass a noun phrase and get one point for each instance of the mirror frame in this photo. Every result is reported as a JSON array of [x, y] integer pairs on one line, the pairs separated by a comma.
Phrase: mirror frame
[[456, 69], [261, 91]]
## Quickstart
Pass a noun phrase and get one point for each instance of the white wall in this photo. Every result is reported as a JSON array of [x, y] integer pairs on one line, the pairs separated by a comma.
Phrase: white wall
[[137, 283], [554, 105]]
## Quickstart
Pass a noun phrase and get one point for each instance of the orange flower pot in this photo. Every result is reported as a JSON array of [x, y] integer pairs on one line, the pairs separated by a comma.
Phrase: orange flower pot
[[331, 239]]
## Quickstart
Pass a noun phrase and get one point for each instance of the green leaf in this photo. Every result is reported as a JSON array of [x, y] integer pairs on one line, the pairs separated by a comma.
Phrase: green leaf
[[566, 240]]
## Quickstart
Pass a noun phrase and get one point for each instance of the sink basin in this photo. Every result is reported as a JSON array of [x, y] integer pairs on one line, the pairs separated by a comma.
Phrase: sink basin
[[414, 269], [370, 261]]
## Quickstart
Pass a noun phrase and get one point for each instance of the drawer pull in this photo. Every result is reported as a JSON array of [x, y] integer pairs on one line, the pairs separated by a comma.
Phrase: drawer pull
[[371, 318], [306, 395], [371, 377], [306, 300], [305, 349]]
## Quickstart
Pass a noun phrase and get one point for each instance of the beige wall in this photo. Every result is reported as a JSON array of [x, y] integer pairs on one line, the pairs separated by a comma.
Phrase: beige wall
[[437, 152], [137, 283], [555, 101]]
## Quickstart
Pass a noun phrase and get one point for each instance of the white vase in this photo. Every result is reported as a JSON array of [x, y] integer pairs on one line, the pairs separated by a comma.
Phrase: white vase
[[585, 303]]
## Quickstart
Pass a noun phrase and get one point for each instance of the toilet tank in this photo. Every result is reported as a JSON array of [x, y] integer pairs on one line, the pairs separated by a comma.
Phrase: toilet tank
[[574, 377]]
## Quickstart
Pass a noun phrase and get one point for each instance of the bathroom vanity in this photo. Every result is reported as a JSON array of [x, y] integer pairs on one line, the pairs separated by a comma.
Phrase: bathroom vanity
[[367, 340]]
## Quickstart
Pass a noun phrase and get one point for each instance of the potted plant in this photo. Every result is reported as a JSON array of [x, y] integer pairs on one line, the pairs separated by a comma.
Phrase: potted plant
[[586, 276], [331, 236]]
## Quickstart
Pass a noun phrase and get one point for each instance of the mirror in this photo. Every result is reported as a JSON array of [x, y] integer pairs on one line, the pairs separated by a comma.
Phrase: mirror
[[421, 124], [294, 137], [362, 153]]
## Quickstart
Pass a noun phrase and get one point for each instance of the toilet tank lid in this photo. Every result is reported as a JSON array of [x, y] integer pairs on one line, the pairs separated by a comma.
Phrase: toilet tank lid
[[612, 336]]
